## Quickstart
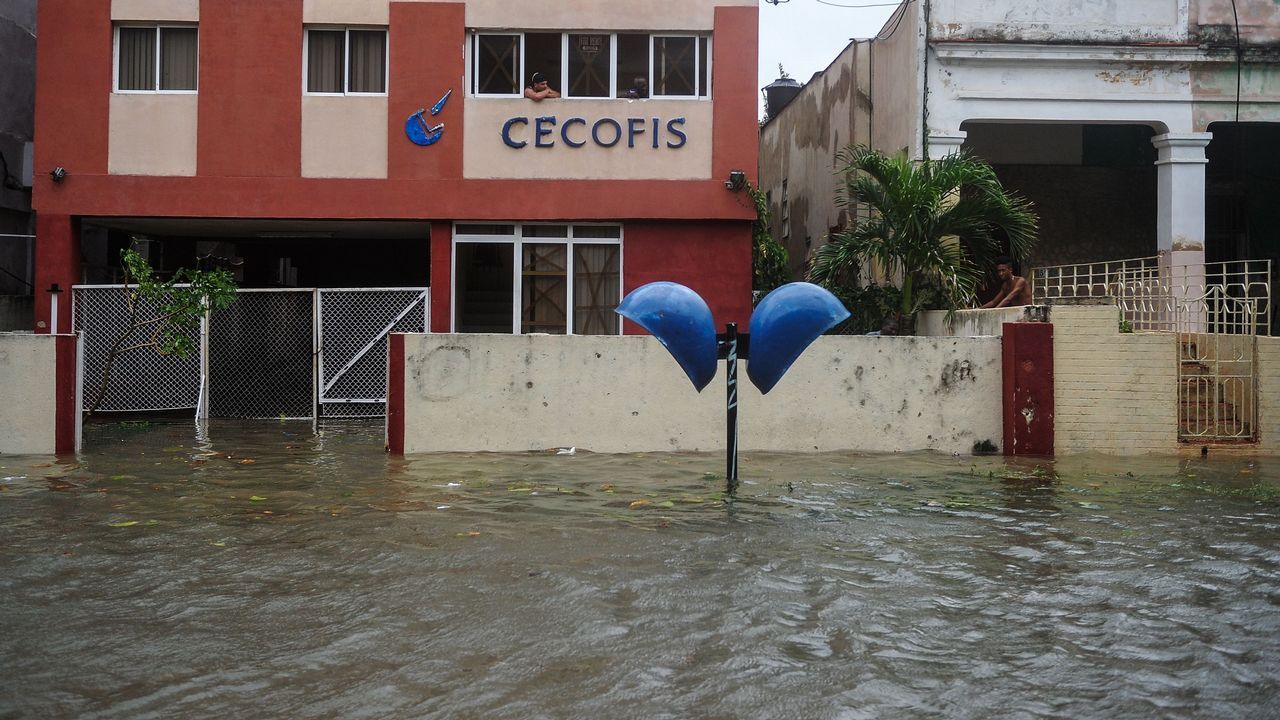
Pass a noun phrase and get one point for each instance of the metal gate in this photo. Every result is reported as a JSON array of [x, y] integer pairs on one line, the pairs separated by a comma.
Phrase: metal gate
[[1217, 385], [289, 353], [354, 325]]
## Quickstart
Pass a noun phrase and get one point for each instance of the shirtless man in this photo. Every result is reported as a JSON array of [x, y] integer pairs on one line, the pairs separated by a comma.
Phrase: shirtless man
[[538, 89], [1014, 290]]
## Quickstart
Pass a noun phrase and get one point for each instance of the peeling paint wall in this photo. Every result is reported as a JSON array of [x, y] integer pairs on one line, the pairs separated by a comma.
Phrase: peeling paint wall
[[1213, 22], [800, 146], [626, 394], [1059, 21]]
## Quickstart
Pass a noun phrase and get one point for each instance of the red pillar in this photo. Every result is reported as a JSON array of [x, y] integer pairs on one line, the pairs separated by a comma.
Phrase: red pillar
[[66, 400], [1028, 388], [57, 263], [441, 276], [395, 394]]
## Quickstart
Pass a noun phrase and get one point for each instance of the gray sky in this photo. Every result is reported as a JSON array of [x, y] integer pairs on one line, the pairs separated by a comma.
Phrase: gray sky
[[806, 35]]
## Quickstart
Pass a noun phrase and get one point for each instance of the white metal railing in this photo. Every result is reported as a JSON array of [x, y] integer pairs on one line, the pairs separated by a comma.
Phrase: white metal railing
[[1153, 293]]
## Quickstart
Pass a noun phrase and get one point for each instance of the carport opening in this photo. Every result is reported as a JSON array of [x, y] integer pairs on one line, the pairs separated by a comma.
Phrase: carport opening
[[266, 254]]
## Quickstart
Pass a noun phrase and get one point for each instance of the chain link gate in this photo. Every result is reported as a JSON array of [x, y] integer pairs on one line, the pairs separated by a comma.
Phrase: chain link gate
[[354, 325], [261, 356], [290, 353], [141, 380]]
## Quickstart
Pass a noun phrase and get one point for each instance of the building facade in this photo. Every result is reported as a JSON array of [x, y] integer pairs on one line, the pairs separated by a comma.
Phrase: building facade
[[1137, 128], [372, 143]]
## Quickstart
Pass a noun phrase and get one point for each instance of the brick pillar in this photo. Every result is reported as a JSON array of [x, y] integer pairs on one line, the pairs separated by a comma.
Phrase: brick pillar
[[1028, 388]]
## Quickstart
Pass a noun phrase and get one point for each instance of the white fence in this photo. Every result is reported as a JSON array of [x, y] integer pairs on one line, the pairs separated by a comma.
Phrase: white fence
[[279, 353]]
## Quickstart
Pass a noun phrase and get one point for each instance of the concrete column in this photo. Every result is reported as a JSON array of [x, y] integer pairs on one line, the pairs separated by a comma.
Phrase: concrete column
[[944, 144], [1180, 228], [1180, 166], [57, 263]]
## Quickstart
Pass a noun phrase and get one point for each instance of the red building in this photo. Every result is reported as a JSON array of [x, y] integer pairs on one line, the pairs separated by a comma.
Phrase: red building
[[295, 141]]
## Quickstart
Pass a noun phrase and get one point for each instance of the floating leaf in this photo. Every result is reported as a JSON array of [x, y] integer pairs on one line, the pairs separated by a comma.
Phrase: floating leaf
[[256, 498], [124, 523], [119, 477], [665, 504], [219, 544], [639, 504], [248, 461]]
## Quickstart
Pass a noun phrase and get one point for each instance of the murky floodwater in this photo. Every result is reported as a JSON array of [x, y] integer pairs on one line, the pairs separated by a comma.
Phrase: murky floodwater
[[266, 571]]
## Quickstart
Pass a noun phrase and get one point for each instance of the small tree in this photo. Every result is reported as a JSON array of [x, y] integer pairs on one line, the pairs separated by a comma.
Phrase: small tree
[[179, 303], [933, 225], [769, 260]]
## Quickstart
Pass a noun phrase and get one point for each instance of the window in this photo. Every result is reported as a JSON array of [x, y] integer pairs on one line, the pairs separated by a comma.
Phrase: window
[[157, 58], [557, 279], [346, 61], [593, 65]]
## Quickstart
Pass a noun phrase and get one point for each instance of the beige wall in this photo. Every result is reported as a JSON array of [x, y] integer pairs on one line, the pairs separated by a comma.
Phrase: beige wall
[[486, 155], [152, 134], [522, 14], [1113, 392], [27, 386], [626, 394], [170, 10], [344, 137], [1268, 375], [897, 87]]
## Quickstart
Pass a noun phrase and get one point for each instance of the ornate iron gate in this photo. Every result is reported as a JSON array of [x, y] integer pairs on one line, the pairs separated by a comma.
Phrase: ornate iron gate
[[1217, 385], [292, 353]]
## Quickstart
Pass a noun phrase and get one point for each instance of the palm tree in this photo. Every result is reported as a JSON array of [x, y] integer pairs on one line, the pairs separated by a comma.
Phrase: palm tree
[[933, 224]]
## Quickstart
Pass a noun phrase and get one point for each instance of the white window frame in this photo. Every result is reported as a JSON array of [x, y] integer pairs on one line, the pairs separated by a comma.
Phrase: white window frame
[[697, 63], [115, 58], [469, 59], [701, 93], [517, 241], [346, 59]]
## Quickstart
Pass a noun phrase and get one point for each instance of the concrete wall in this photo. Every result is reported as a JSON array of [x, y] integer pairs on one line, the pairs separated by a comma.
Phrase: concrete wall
[[604, 14], [1058, 21], [39, 413], [968, 323], [1114, 393], [626, 394]]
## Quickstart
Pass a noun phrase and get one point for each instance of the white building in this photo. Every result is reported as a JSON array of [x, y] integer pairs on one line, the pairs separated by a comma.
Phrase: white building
[[1137, 127]]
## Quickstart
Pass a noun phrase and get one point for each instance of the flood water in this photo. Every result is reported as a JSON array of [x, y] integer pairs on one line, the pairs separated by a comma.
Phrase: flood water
[[268, 571]]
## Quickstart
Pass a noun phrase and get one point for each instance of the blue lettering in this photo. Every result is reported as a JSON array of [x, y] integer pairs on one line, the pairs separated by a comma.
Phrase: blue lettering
[[654, 134], [506, 132], [540, 131], [635, 126], [617, 132], [671, 128], [564, 132]]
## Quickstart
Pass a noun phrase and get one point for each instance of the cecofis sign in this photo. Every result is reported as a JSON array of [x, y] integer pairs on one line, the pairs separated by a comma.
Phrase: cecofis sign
[[575, 132]]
